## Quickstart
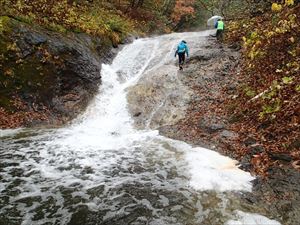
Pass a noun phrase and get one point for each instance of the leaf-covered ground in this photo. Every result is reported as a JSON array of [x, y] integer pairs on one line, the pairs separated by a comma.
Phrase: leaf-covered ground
[[24, 115], [215, 78], [267, 107], [249, 107]]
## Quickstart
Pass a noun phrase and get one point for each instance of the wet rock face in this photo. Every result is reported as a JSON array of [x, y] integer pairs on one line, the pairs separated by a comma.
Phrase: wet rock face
[[204, 124], [57, 73], [158, 99], [279, 194]]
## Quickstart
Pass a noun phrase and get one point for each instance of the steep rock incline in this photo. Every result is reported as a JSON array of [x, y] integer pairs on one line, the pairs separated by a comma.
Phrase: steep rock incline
[[159, 98], [192, 106]]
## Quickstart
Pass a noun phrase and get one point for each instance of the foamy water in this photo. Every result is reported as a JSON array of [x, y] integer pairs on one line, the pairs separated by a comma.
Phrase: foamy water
[[251, 219], [101, 170]]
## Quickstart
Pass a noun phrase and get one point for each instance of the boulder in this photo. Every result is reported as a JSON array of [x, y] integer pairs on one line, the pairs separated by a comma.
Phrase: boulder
[[211, 125], [58, 73]]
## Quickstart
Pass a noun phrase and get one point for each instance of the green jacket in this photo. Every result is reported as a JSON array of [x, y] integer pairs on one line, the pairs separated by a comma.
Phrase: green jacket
[[220, 25]]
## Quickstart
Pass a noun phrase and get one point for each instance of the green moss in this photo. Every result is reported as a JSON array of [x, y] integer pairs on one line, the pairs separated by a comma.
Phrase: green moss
[[25, 19], [5, 29], [31, 76], [4, 24], [57, 28]]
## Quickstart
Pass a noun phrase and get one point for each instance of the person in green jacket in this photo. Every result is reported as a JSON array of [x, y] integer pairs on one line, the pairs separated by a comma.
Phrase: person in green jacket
[[220, 29]]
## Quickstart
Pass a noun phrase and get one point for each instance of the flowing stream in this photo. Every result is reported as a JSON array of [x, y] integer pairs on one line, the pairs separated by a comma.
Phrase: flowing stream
[[101, 170]]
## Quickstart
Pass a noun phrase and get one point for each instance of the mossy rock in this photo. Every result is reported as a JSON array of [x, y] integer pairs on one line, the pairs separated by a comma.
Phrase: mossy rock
[[21, 76], [48, 68]]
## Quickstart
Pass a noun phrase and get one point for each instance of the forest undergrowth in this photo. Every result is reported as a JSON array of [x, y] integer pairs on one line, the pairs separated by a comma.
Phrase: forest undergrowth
[[266, 110]]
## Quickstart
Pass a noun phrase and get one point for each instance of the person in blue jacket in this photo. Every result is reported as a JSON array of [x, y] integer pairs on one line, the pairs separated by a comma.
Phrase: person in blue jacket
[[182, 49]]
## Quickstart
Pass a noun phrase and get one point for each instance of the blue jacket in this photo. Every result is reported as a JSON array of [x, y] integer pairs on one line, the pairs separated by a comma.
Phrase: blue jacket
[[182, 47]]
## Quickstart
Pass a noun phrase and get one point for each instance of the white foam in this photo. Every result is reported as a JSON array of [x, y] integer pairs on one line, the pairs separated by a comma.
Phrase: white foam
[[103, 140], [9, 132], [210, 170], [243, 218]]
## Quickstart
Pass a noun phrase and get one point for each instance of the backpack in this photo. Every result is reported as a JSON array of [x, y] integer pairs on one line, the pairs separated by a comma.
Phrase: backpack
[[181, 48]]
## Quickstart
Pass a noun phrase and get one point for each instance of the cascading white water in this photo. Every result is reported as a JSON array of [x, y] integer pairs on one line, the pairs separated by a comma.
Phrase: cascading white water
[[101, 170]]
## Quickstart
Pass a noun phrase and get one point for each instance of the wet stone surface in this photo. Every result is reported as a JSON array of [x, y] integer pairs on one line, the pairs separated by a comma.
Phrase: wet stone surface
[[101, 170], [209, 75]]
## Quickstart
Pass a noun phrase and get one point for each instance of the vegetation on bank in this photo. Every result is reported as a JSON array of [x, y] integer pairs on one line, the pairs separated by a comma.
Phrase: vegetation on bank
[[66, 16], [113, 20], [267, 108]]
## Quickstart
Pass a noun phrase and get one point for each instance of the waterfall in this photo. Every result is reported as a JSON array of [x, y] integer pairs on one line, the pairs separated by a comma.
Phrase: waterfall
[[101, 170]]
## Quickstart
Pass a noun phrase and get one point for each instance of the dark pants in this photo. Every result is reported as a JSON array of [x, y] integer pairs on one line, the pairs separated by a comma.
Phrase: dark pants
[[219, 35], [181, 57]]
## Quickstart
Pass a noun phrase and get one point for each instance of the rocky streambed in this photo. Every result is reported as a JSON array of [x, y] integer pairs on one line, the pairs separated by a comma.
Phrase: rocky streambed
[[190, 105], [47, 77]]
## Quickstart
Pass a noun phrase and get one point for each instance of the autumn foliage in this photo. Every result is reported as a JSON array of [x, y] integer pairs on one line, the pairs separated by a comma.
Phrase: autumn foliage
[[24, 115], [112, 19], [182, 9], [66, 16], [268, 106]]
